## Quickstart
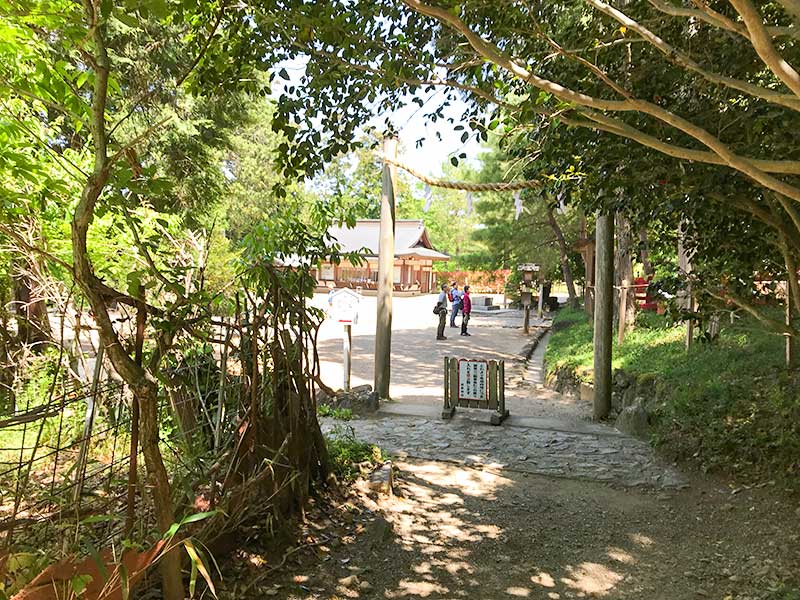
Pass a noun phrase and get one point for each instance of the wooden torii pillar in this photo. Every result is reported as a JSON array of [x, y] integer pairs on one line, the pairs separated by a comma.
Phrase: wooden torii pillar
[[383, 325]]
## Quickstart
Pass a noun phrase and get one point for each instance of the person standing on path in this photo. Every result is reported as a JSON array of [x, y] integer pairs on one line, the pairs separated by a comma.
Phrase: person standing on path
[[441, 305], [455, 298], [466, 310]]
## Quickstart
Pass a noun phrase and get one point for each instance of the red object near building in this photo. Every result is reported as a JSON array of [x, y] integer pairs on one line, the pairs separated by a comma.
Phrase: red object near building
[[644, 301]]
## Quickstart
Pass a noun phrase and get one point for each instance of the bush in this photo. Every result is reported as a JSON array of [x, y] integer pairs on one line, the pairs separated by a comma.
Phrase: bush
[[347, 453]]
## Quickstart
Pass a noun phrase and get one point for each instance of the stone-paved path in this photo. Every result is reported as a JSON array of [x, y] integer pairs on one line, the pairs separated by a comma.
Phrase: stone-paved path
[[547, 433], [601, 455]]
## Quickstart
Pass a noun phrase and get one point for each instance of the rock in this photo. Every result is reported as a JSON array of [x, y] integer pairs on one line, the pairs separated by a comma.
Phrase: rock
[[621, 380], [634, 421], [350, 581], [360, 399], [587, 393], [382, 479]]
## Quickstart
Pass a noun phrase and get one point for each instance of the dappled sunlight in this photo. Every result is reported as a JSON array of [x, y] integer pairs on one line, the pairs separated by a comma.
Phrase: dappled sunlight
[[519, 592], [416, 589], [591, 578], [471, 482], [641, 540], [619, 555], [544, 579]]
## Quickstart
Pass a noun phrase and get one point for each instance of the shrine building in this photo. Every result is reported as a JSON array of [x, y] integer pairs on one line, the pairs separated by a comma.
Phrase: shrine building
[[414, 256]]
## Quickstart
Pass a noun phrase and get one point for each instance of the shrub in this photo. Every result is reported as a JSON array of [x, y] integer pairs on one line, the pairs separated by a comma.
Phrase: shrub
[[347, 453]]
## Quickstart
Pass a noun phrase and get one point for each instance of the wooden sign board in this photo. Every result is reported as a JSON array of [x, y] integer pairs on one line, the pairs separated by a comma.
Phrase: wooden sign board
[[475, 384], [528, 267], [344, 306]]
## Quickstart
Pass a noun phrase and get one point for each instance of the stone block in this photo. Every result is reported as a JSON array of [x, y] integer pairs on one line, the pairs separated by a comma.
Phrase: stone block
[[634, 420], [381, 480], [587, 392]]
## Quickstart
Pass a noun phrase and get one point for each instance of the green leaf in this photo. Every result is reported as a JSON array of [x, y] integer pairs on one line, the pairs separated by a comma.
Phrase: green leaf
[[283, 74], [127, 19], [80, 582], [198, 563], [454, 161]]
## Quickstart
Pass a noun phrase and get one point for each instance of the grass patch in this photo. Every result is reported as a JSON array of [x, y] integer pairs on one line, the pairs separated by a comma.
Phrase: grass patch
[[342, 414], [729, 404], [348, 454]]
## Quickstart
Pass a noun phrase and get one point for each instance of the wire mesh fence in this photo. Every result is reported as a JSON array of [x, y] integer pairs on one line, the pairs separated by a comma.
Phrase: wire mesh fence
[[63, 467], [64, 464]]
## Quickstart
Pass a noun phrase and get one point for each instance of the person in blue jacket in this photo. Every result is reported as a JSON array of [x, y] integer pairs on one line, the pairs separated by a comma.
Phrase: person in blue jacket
[[455, 298]]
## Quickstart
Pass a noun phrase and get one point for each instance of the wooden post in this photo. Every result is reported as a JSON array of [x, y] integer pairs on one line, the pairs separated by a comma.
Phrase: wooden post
[[383, 326], [526, 325], [788, 321], [685, 266], [623, 310], [541, 301], [88, 425], [690, 322], [603, 314], [348, 342]]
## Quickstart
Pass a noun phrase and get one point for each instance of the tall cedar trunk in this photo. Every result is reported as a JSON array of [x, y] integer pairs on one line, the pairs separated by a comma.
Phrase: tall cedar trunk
[[644, 253], [562, 250], [623, 271], [140, 381], [33, 322]]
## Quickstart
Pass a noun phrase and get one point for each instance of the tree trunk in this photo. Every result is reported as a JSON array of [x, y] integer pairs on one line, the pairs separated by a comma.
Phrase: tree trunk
[[644, 253], [33, 323], [562, 250], [141, 382], [623, 273], [146, 396], [603, 315]]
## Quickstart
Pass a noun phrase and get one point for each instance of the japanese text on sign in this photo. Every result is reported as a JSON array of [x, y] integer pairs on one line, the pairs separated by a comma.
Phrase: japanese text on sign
[[472, 379]]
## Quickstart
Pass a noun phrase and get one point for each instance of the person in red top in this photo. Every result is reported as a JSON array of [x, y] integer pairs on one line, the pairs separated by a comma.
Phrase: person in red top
[[466, 309]]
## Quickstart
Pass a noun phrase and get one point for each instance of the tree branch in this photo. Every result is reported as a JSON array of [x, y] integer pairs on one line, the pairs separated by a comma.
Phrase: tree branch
[[204, 49], [763, 45], [498, 57], [712, 17], [170, 285], [683, 60]]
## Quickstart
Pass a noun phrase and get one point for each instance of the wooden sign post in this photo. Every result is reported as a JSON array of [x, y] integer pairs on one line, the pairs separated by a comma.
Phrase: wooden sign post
[[475, 384], [525, 291], [344, 308]]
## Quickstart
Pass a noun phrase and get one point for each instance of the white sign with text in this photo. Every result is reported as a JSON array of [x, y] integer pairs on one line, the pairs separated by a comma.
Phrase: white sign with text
[[472, 383], [344, 306]]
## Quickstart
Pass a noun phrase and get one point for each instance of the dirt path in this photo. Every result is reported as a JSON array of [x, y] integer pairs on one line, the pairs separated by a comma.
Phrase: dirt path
[[546, 506], [460, 532]]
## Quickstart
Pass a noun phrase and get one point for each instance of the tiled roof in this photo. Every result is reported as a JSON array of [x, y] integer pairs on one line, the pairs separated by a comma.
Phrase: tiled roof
[[410, 239]]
